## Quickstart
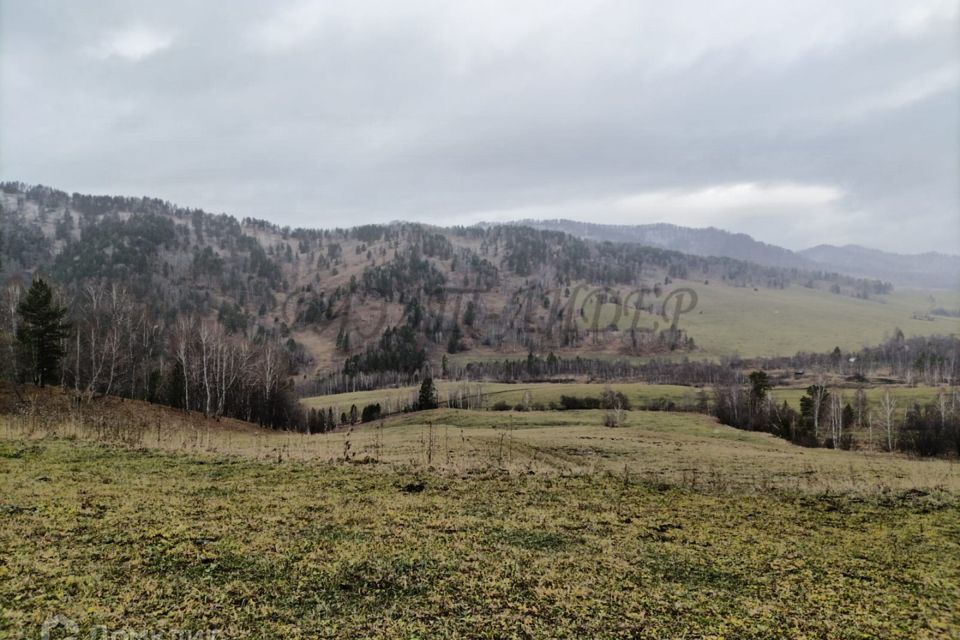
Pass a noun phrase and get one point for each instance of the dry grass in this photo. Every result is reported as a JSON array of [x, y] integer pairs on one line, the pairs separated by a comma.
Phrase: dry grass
[[686, 449], [454, 523], [138, 541], [775, 322]]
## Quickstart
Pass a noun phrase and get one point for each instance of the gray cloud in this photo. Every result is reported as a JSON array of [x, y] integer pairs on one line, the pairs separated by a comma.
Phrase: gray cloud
[[799, 123]]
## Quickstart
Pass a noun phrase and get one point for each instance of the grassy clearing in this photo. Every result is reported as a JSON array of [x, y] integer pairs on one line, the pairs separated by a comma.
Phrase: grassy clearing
[[686, 449], [493, 392], [775, 322], [454, 523], [640, 394], [138, 540], [905, 397]]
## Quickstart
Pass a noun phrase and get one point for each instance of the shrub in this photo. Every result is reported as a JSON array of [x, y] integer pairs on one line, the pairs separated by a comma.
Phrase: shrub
[[610, 399], [573, 403], [370, 412]]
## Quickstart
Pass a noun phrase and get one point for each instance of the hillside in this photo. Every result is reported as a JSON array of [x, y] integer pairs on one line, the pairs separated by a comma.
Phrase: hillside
[[929, 270], [920, 270], [389, 300], [708, 241]]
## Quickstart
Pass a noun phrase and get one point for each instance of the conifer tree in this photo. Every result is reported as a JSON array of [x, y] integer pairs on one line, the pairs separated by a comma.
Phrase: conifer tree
[[428, 395], [41, 332]]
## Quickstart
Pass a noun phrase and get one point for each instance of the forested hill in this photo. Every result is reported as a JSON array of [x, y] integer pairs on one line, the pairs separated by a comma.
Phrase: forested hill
[[932, 270], [372, 298], [702, 242], [929, 270]]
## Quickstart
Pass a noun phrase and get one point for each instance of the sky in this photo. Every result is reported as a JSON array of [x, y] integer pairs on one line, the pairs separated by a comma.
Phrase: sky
[[800, 123]]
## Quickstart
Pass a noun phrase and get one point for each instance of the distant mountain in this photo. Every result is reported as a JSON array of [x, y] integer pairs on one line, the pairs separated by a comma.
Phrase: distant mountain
[[928, 270], [921, 270], [702, 242]]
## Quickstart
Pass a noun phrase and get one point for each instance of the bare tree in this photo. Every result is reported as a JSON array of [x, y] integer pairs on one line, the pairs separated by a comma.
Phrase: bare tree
[[11, 300], [888, 405], [860, 400], [818, 395], [206, 337], [120, 313], [183, 351], [836, 420]]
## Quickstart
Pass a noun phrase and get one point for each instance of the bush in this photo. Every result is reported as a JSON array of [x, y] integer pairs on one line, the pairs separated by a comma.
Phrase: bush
[[370, 413], [661, 404], [614, 400], [613, 418], [573, 403], [500, 405], [924, 433]]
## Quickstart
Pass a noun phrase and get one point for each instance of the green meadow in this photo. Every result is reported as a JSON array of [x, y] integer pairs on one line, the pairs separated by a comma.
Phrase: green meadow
[[640, 395], [140, 539], [750, 322]]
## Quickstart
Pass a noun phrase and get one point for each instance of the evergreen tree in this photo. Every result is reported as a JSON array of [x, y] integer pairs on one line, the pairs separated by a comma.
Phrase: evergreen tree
[[370, 412], [470, 315], [453, 344], [428, 395], [759, 386], [175, 385], [41, 332]]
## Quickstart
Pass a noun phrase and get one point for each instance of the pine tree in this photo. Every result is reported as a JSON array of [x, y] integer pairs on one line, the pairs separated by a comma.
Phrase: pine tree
[[759, 386], [453, 344], [470, 315], [428, 395], [41, 332]]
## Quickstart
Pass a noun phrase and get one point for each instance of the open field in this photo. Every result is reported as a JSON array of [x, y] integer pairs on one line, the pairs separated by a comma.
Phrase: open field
[[687, 449], [493, 392], [639, 394], [458, 523], [137, 540], [776, 322]]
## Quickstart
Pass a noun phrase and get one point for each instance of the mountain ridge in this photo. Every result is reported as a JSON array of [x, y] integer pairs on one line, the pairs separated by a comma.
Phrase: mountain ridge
[[926, 270]]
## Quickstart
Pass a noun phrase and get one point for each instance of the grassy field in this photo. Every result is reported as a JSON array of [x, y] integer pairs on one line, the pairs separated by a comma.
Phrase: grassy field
[[456, 523], [143, 540], [774, 322], [687, 449], [639, 394], [493, 392]]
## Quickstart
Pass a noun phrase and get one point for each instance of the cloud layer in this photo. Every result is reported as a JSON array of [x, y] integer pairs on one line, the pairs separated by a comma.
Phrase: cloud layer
[[800, 123]]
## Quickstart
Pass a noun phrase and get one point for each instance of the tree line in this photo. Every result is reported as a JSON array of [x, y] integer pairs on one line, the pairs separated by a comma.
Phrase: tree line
[[99, 340], [829, 419]]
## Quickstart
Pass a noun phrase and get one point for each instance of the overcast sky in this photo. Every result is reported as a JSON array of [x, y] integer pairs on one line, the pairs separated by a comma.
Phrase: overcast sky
[[804, 122]]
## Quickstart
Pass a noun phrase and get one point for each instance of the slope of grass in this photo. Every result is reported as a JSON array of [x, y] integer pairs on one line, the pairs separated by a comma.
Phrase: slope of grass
[[678, 448], [781, 322], [493, 392], [139, 540], [640, 395], [774, 322]]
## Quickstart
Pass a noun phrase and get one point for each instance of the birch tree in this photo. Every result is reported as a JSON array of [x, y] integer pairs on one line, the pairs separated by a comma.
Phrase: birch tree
[[888, 406]]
